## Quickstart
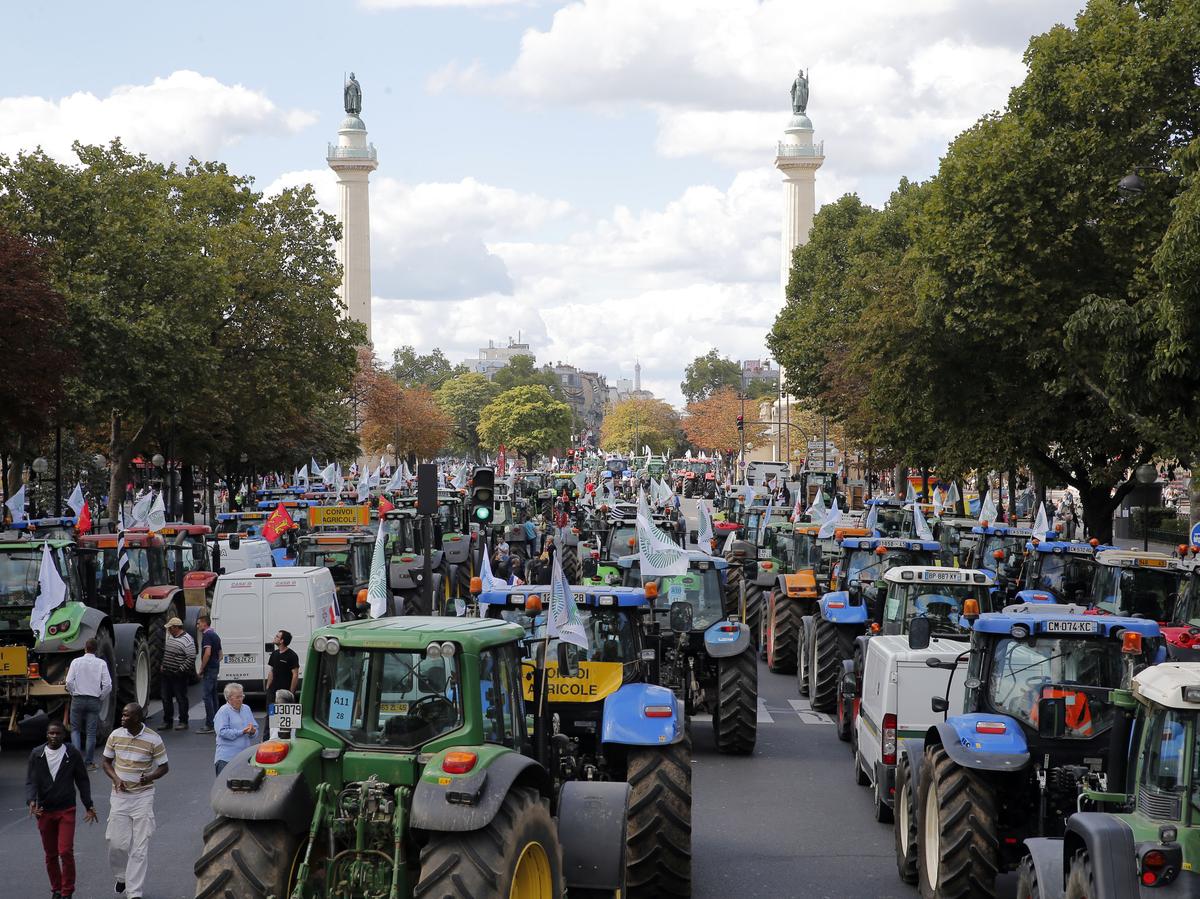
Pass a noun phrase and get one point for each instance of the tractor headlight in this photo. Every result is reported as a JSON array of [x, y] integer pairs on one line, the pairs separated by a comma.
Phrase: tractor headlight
[[333, 646], [433, 651], [319, 643], [448, 650]]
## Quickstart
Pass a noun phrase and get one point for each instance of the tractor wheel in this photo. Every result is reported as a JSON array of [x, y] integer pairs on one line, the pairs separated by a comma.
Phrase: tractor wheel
[[904, 824], [1027, 882], [754, 614], [844, 722], [110, 705], [517, 854], [801, 659], [156, 642], [959, 854], [245, 859], [462, 581], [735, 719], [1081, 882], [785, 625], [733, 585], [516, 550], [659, 832], [827, 653], [443, 599], [570, 563], [134, 687]]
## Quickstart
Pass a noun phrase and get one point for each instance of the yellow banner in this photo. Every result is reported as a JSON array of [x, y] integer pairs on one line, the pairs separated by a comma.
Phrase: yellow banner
[[14, 661], [339, 516], [596, 680]]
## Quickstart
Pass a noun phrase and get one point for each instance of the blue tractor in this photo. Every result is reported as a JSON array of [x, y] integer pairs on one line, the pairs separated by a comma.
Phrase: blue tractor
[[614, 722], [705, 652], [1057, 571], [826, 637], [1000, 550], [889, 516], [1036, 729]]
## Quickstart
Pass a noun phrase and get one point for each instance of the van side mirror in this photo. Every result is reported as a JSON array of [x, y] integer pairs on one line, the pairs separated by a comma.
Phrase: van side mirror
[[568, 662], [920, 630], [1052, 718], [235, 541], [681, 616]]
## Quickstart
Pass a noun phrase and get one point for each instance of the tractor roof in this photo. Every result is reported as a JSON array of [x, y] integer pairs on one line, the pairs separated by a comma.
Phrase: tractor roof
[[242, 516], [15, 545], [1065, 547], [417, 631], [891, 543], [696, 559], [1001, 530], [933, 574], [287, 503], [1130, 558], [1060, 620], [891, 502], [174, 528], [1164, 685], [322, 538], [32, 525], [593, 597], [133, 540]]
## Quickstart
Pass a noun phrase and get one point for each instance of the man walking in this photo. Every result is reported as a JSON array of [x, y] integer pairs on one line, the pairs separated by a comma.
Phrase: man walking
[[134, 758], [89, 683], [210, 664], [283, 665], [178, 665], [56, 770]]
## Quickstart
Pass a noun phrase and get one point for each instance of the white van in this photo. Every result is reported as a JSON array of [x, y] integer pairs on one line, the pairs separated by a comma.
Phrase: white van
[[250, 606], [245, 552]]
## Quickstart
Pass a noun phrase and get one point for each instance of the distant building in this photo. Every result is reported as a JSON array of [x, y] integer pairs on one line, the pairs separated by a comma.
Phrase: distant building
[[587, 393], [758, 370], [492, 358]]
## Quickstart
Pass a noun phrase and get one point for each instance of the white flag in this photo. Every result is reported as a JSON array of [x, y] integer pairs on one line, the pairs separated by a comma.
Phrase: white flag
[[704, 534], [375, 478], [987, 509], [816, 512], [16, 505], [953, 497], [487, 579], [315, 469], [797, 512], [52, 593], [156, 519], [301, 476], [660, 555], [911, 495], [396, 482], [920, 525], [688, 454], [377, 589], [829, 525], [329, 474], [364, 487], [938, 505], [76, 500], [872, 518], [1042, 525], [460, 478], [141, 510], [563, 619]]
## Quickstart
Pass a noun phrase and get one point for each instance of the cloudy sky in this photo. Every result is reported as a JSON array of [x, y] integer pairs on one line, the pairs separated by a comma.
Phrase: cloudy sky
[[595, 176]]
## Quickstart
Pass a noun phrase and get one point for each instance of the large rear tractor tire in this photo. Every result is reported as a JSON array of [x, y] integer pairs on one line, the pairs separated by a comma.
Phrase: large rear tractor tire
[[659, 832], [1081, 882], [462, 583], [517, 854], [245, 859], [735, 719], [802, 641], [570, 564], [156, 642], [826, 665], [904, 824], [110, 705], [133, 687], [754, 614], [785, 625], [959, 853], [733, 587]]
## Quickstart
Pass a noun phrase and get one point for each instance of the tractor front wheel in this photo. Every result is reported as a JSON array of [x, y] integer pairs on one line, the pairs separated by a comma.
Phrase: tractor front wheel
[[733, 585], [735, 719], [659, 832], [570, 563], [1081, 882], [518, 855], [960, 853], [904, 823], [1027, 882], [134, 687], [245, 859], [826, 654], [785, 625]]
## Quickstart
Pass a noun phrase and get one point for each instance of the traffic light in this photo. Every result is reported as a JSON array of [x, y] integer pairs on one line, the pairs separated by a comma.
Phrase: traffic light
[[741, 423], [483, 495]]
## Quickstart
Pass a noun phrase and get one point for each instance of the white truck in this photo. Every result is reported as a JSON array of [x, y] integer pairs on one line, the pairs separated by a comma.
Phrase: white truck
[[898, 686]]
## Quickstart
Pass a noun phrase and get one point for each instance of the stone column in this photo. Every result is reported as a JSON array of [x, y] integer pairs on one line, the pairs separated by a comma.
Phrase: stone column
[[353, 159]]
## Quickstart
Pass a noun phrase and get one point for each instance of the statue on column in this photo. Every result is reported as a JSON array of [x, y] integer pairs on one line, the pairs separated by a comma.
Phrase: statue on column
[[353, 96], [799, 93]]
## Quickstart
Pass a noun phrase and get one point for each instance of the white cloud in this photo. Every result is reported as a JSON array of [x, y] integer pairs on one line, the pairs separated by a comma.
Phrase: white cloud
[[441, 4], [185, 114]]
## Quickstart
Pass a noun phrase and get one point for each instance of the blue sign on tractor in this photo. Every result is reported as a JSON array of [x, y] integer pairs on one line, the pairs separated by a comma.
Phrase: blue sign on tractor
[[1195, 535]]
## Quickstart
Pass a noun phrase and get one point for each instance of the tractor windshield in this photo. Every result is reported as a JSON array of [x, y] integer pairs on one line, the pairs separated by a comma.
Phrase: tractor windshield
[[623, 541], [19, 576], [394, 698], [1165, 770], [802, 551], [941, 603], [889, 521], [398, 534], [702, 589], [146, 569], [1063, 574], [1023, 673], [1139, 592], [698, 468], [866, 565]]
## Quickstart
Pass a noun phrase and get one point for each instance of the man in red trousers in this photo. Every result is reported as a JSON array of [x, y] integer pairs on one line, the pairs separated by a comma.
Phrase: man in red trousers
[[56, 770]]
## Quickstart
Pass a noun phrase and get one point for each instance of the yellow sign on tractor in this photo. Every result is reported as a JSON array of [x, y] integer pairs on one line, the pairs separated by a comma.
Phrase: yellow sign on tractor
[[339, 516], [596, 680]]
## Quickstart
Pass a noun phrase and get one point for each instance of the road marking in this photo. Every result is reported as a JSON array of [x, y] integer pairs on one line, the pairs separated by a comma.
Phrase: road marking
[[803, 708], [764, 717]]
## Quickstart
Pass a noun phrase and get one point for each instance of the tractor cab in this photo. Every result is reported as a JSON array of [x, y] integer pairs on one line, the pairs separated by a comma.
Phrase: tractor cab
[[248, 523], [889, 515], [58, 528], [347, 555], [957, 537], [1058, 571], [936, 594], [700, 587], [1001, 550], [865, 560], [147, 563], [1144, 585]]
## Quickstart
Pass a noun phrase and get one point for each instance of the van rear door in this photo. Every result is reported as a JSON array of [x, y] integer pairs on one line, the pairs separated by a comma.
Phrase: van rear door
[[290, 606], [237, 617]]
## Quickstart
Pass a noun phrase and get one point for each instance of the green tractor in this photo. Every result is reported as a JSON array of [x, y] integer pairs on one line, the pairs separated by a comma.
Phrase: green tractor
[[415, 767]]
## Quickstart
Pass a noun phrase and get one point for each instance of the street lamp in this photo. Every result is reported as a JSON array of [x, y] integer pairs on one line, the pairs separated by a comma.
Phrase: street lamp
[[1131, 185], [40, 466], [1145, 474]]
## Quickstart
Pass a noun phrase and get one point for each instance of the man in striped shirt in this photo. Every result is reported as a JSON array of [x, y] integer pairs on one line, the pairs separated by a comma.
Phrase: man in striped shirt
[[134, 757]]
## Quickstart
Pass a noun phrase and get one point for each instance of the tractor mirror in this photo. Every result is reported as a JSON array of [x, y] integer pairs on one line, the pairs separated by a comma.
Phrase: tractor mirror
[[1052, 718], [939, 703], [568, 661], [694, 536], [919, 632], [235, 541], [588, 567], [681, 616]]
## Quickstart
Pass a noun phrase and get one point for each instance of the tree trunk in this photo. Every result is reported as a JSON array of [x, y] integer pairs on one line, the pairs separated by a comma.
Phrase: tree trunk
[[186, 488], [924, 483], [120, 455], [900, 481]]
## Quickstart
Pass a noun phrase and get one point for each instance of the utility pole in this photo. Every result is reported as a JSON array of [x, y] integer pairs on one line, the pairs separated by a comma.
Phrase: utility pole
[[742, 437]]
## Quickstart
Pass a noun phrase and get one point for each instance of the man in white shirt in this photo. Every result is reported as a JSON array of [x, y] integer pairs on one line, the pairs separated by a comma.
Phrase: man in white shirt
[[89, 683]]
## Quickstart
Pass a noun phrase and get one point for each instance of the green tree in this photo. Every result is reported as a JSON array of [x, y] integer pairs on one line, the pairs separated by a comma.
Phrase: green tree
[[709, 373], [432, 370], [527, 420], [522, 370], [631, 424], [463, 398]]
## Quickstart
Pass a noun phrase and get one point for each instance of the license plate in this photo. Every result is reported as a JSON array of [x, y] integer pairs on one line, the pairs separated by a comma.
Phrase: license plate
[[242, 658], [285, 715], [14, 661], [947, 576], [1071, 627]]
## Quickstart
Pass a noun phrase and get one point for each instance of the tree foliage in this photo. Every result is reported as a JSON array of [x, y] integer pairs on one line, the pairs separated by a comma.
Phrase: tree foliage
[[408, 418], [463, 399], [711, 423], [522, 371], [432, 369], [527, 420], [707, 374], [631, 424]]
